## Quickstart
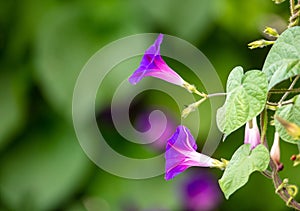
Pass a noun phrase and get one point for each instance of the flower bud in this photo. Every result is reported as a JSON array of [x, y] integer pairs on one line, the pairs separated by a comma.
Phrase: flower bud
[[271, 32], [252, 135], [275, 152], [278, 1], [291, 128], [260, 43], [296, 159]]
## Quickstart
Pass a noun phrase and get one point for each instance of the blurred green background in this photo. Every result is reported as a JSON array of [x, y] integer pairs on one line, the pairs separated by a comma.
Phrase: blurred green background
[[43, 47]]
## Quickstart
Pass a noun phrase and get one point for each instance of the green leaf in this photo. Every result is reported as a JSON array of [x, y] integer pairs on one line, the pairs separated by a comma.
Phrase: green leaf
[[290, 113], [243, 163], [283, 60], [246, 98]]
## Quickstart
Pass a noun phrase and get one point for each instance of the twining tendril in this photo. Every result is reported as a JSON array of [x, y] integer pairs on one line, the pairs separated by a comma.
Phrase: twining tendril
[[295, 14]]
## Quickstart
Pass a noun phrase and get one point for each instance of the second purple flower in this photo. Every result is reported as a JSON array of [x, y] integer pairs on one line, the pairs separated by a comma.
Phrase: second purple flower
[[181, 154]]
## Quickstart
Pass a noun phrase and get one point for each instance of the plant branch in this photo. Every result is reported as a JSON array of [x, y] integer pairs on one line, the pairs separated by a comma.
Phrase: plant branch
[[267, 174], [295, 13], [216, 95], [290, 88], [283, 193], [292, 6], [273, 174], [264, 126], [280, 91], [277, 104]]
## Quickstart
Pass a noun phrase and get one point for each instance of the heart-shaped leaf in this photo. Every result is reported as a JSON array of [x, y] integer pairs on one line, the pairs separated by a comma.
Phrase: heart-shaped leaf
[[243, 163], [246, 98], [283, 60], [290, 113]]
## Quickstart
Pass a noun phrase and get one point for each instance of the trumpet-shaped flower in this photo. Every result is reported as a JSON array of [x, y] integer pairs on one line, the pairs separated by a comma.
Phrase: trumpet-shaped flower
[[153, 65], [275, 152], [200, 191], [181, 154], [252, 135]]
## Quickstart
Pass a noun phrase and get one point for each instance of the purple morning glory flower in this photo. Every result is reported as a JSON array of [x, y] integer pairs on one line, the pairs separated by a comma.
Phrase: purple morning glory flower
[[153, 65], [252, 135], [181, 153], [142, 123], [200, 191]]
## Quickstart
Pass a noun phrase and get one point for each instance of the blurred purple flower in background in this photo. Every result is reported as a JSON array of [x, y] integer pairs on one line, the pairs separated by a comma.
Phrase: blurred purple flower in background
[[252, 135], [153, 65], [142, 123], [200, 191], [181, 153]]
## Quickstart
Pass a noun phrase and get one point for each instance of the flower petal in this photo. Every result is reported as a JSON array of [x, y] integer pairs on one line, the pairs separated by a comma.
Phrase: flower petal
[[155, 48], [153, 65], [252, 135], [181, 153], [185, 139], [201, 191]]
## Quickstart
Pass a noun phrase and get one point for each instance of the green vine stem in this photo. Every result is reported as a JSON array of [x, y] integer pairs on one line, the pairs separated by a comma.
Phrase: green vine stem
[[290, 88], [272, 173], [292, 6], [283, 193], [295, 13], [282, 103], [264, 125], [216, 95], [281, 91]]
